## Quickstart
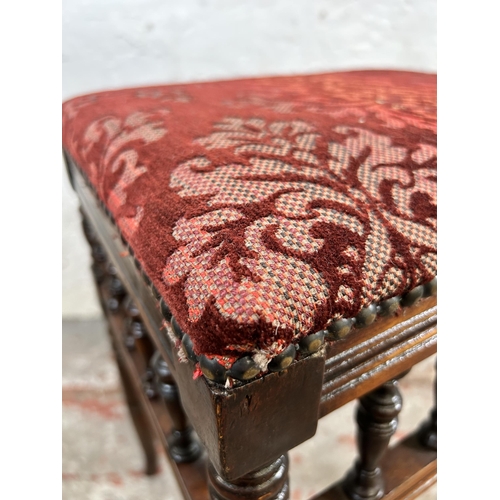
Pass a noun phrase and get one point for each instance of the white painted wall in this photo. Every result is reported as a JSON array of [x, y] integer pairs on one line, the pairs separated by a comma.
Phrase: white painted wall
[[118, 43]]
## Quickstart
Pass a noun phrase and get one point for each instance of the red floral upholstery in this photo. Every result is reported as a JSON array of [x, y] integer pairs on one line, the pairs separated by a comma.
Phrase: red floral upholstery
[[262, 209]]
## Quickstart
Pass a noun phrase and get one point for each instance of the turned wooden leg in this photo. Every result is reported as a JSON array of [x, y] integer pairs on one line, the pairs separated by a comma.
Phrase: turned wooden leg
[[182, 445], [116, 290], [117, 294], [135, 336], [138, 413], [105, 275], [99, 258], [269, 483], [139, 418], [377, 421], [428, 432]]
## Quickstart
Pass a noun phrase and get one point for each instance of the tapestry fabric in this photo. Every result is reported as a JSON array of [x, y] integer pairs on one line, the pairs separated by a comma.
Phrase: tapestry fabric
[[263, 209]]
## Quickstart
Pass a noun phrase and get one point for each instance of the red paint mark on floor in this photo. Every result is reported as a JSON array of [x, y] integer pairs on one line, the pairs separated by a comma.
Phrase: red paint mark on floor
[[69, 476], [348, 439], [112, 477], [399, 435], [115, 478], [110, 409], [136, 473], [299, 494]]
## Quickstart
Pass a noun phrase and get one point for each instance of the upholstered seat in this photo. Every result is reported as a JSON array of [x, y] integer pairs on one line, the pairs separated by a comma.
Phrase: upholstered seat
[[268, 214], [274, 235]]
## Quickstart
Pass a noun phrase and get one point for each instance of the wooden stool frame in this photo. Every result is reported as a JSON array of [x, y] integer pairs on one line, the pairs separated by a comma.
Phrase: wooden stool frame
[[247, 431]]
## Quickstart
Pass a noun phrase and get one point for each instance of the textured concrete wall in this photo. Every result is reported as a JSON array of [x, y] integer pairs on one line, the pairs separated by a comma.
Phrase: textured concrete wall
[[115, 43]]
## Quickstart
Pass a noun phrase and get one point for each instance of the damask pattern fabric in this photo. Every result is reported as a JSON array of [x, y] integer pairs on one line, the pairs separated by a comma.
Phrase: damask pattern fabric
[[262, 209]]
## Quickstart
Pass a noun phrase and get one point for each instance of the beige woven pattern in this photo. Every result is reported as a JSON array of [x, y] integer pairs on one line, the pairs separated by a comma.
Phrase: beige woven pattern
[[286, 286]]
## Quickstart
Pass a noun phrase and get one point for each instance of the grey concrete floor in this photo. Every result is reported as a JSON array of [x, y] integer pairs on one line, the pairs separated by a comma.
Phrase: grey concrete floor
[[101, 456]]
